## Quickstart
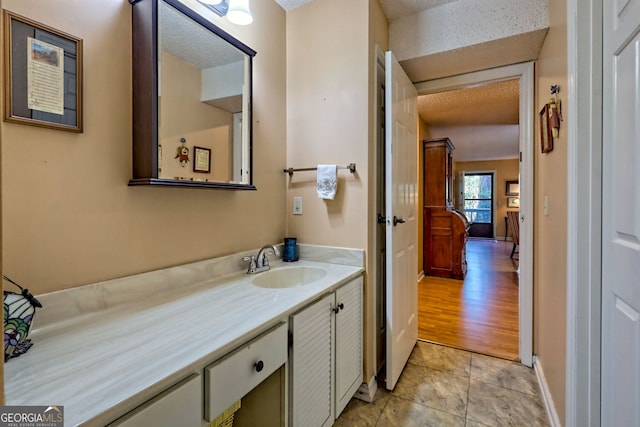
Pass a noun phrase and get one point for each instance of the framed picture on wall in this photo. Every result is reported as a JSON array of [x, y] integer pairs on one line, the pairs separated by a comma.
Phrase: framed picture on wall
[[513, 202], [546, 137], [513, 188], [201, 159], [43, 75]]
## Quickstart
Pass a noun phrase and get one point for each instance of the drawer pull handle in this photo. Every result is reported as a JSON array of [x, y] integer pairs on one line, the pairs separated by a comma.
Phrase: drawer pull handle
[[259, 365]]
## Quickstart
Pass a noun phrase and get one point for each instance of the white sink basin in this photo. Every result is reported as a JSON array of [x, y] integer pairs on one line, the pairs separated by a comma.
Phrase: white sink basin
[[288, 277]]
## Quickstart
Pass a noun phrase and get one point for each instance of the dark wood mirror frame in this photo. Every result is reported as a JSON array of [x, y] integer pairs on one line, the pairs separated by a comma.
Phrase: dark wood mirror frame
[[145, 95]]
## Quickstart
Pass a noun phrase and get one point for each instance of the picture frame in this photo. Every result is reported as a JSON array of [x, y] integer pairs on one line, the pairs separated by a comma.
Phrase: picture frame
[[42, 75], [546, 136], [201, 159], [512, 188], [513, 202]]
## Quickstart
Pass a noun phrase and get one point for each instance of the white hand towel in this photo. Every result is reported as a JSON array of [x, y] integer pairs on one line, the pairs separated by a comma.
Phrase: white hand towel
[[327, 181]]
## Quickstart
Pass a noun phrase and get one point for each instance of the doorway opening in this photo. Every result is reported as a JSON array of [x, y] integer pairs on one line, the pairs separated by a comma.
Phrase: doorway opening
[[523, 74]]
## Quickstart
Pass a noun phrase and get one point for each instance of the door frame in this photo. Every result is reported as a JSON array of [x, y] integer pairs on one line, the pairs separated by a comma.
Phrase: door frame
[[583, 121], [525, 73], [584, 217]]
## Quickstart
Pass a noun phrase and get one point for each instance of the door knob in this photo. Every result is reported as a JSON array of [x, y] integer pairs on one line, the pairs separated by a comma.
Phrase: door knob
[[397, 220]]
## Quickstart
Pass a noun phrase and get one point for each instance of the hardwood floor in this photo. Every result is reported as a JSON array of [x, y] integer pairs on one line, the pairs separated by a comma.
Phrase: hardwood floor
[[479, 314]]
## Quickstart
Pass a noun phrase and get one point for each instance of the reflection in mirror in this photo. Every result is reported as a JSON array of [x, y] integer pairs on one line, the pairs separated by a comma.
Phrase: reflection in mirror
[[203, 101]]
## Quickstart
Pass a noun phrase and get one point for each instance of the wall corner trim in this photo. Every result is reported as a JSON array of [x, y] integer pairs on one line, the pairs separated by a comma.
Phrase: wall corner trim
[[552, 414], [367, 390]]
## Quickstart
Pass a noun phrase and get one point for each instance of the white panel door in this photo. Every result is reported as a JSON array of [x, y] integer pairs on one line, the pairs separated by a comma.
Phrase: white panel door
[[401, 188], [621, 214]]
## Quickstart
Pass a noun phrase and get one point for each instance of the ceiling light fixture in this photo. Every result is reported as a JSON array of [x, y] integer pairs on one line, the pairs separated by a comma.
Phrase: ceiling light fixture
[[236, 11], [239, 12]]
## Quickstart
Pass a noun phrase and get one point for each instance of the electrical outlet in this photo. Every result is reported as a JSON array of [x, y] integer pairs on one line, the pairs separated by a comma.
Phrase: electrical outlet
[[297, 205]]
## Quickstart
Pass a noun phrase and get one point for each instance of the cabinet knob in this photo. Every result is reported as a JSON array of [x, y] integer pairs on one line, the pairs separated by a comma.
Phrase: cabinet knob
[[341, 306], [259, 365]]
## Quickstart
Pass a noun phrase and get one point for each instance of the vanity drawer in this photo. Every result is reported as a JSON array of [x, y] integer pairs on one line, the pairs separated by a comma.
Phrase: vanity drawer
[[180, 405], [233, 376]]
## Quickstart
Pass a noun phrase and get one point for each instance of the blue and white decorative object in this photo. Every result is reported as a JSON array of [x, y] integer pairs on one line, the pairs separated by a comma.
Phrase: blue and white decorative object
[[290, 249], [19, 310]]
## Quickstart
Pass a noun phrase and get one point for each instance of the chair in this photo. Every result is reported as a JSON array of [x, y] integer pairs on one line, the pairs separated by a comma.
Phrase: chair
[[514, 226]]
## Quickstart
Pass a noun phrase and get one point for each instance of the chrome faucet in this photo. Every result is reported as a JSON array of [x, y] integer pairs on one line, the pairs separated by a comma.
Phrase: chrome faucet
[[260, 262]]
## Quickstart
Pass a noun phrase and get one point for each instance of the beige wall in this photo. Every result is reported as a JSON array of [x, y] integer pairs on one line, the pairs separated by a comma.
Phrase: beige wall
[[330, 69], [550, 236], [328, 118], [506, 170], [69, 217]]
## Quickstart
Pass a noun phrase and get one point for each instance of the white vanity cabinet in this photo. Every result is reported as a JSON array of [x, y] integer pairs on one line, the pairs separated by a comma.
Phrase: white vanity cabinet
[[229, 379], [326, 356], [180, 405]]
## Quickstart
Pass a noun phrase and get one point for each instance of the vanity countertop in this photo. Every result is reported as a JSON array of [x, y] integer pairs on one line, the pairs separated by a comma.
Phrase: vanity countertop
[[103, 362]]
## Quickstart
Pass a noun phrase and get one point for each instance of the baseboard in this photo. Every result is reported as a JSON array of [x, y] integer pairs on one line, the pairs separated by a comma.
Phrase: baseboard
[[421, 276], [367, 391], [552, 414]]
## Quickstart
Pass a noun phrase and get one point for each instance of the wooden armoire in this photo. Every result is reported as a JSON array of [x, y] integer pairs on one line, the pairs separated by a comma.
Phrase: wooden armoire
[[445, 229]]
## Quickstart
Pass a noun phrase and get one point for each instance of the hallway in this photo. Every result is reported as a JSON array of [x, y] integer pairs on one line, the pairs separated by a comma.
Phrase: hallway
[[479, 314], [446, 387]]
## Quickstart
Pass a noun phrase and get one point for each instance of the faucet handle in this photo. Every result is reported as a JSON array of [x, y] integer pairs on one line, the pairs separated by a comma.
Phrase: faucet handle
[[251, 259]]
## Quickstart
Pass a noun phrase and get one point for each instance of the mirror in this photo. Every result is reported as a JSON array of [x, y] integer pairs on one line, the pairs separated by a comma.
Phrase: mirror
[[199, 109]]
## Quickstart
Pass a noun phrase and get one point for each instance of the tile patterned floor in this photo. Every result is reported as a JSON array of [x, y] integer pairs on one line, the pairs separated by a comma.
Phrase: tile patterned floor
[[443, 386]]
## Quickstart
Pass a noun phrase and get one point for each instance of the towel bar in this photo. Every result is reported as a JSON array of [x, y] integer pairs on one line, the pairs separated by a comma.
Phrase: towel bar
[[290, 171]]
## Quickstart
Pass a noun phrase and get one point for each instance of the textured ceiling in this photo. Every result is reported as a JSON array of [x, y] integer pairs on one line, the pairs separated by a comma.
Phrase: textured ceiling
[[492, 104], [292, 4], [481, 121], [398, 8], [193, 43]]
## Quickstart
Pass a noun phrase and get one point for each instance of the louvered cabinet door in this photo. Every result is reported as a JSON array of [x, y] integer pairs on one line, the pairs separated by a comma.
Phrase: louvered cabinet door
[[312, 365], [348, 343]]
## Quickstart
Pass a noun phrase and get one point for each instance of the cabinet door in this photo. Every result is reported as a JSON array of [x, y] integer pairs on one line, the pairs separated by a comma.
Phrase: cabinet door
[[348, 343], [181, 405], [312, 365]]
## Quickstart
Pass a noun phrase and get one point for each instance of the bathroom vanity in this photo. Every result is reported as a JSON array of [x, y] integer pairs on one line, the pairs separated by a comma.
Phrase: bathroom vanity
[[180, 346]]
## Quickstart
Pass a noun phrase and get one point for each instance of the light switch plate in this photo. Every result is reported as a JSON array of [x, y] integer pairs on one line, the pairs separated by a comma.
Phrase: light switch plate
[[546, 205], [297, 205]]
